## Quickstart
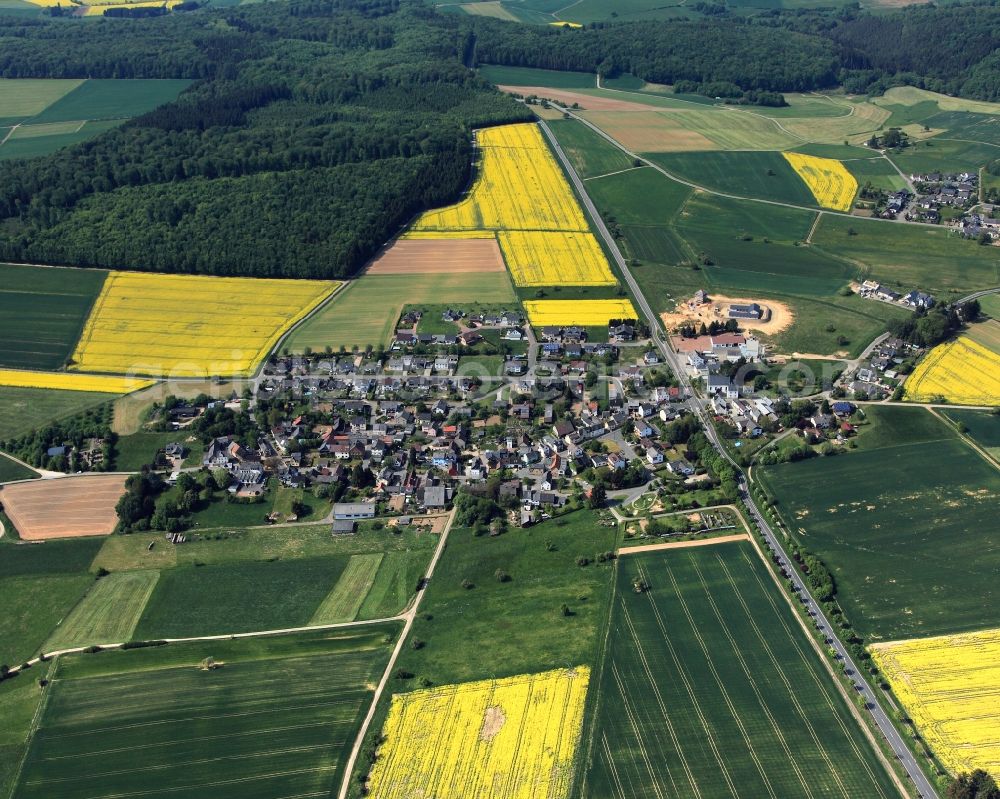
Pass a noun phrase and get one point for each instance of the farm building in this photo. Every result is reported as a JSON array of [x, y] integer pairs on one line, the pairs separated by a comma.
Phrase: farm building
[[749, 311], [343, 526], [353, 510]]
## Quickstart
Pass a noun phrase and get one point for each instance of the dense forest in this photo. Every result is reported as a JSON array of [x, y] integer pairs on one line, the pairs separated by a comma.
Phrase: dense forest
[[315, 128]]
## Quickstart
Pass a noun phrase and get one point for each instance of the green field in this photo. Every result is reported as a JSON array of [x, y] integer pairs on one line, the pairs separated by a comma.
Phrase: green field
[[19, 699], [523, 76], [765, 175], [590, 154], [32, 607], [982, 427], [502, 628], [396, 579], [56, 113], [276, 719], [943, 154], [23, 98], [345, 599], [11, 470], [710, 688], [911, 256], [877, 171], [25, 409], [42, 312], [366, 311], [904, 524], [136, 450], [108, 613], [237, 597]]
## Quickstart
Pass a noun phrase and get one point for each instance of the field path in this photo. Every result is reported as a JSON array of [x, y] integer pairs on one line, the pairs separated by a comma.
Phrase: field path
[[698, 542], [408, 616]]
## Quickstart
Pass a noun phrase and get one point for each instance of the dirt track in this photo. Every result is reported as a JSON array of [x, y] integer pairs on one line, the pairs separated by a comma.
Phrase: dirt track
[[64, 508], [698, 542], [438, 256]]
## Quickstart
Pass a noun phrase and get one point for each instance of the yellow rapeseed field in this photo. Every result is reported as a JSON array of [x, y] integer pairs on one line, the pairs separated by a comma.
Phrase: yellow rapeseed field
[[828, 180], [513, 738], [588, 313], [72, 382], [519, 187], [950, 686], [191, 326], [547, 258], [962, 371], [449, 234]]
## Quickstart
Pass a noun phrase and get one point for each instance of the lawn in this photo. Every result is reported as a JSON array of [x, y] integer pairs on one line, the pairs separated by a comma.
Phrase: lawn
[[710, 688], [904, 523], [11, 470], [238, 597], [42, 312], [136, 450], [495, 628], [590, 154], [910, 256], [276, 719], [108, 613], [766, 175], [366, 311]]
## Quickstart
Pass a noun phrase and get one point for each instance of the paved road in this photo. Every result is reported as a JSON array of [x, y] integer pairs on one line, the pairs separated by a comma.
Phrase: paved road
[[924, 789], [408, 617]]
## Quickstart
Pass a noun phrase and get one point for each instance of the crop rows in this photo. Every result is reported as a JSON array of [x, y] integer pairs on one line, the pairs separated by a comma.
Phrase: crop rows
[[950, 686], [961, 371], [188, 326], [513, 738], [828, 180]]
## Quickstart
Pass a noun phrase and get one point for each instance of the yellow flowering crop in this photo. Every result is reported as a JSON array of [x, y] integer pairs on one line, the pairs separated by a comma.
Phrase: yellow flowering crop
[[98, 10], [588, 313], [950, 686], [962, 371], [504, 739], [519, 187], [449, 234], [563, 24], [72, 382], [828, 180], [546, 258], [191, 326]]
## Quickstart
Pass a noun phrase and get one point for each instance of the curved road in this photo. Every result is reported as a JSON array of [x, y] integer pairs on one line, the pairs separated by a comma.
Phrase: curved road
[[892, 736]]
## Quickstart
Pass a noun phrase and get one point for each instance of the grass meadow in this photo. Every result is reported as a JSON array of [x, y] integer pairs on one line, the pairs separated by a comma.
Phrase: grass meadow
[[23, 98], [42, 312], [11, 470], [19, 700], [277, 718], [589, 153], [763, 174], [904, 524], [495, 628], [108, 613], [982, 427], [345, 599], [365, 312], [911, 256], [25, 409], [710, 688]]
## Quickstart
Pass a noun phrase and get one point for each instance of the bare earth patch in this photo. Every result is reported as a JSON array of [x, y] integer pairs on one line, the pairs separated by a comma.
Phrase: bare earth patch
[[698, 542], [64, 508], [438, 256], [778, 316], [586, 101], [493, 721]]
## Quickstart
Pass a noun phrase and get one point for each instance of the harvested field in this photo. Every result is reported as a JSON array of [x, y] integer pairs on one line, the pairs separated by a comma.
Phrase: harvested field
[[108, 613], [64, 508], [587, 101], [438, 256], [349, 593], [779, 316], [649, 131]]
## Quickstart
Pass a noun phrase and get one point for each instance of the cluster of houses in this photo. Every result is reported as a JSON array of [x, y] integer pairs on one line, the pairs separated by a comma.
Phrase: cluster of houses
[[916, 300], [822, 426], [876, 377], [750, 417], [974, 226], [955, 190], [705, 356]]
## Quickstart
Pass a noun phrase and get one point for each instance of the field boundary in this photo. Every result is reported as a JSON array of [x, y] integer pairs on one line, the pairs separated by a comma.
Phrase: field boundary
[[697, 542]]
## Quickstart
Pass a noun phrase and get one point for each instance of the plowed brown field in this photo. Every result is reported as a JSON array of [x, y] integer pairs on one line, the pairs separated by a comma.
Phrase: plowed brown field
[[438, 256], [65, 507]]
